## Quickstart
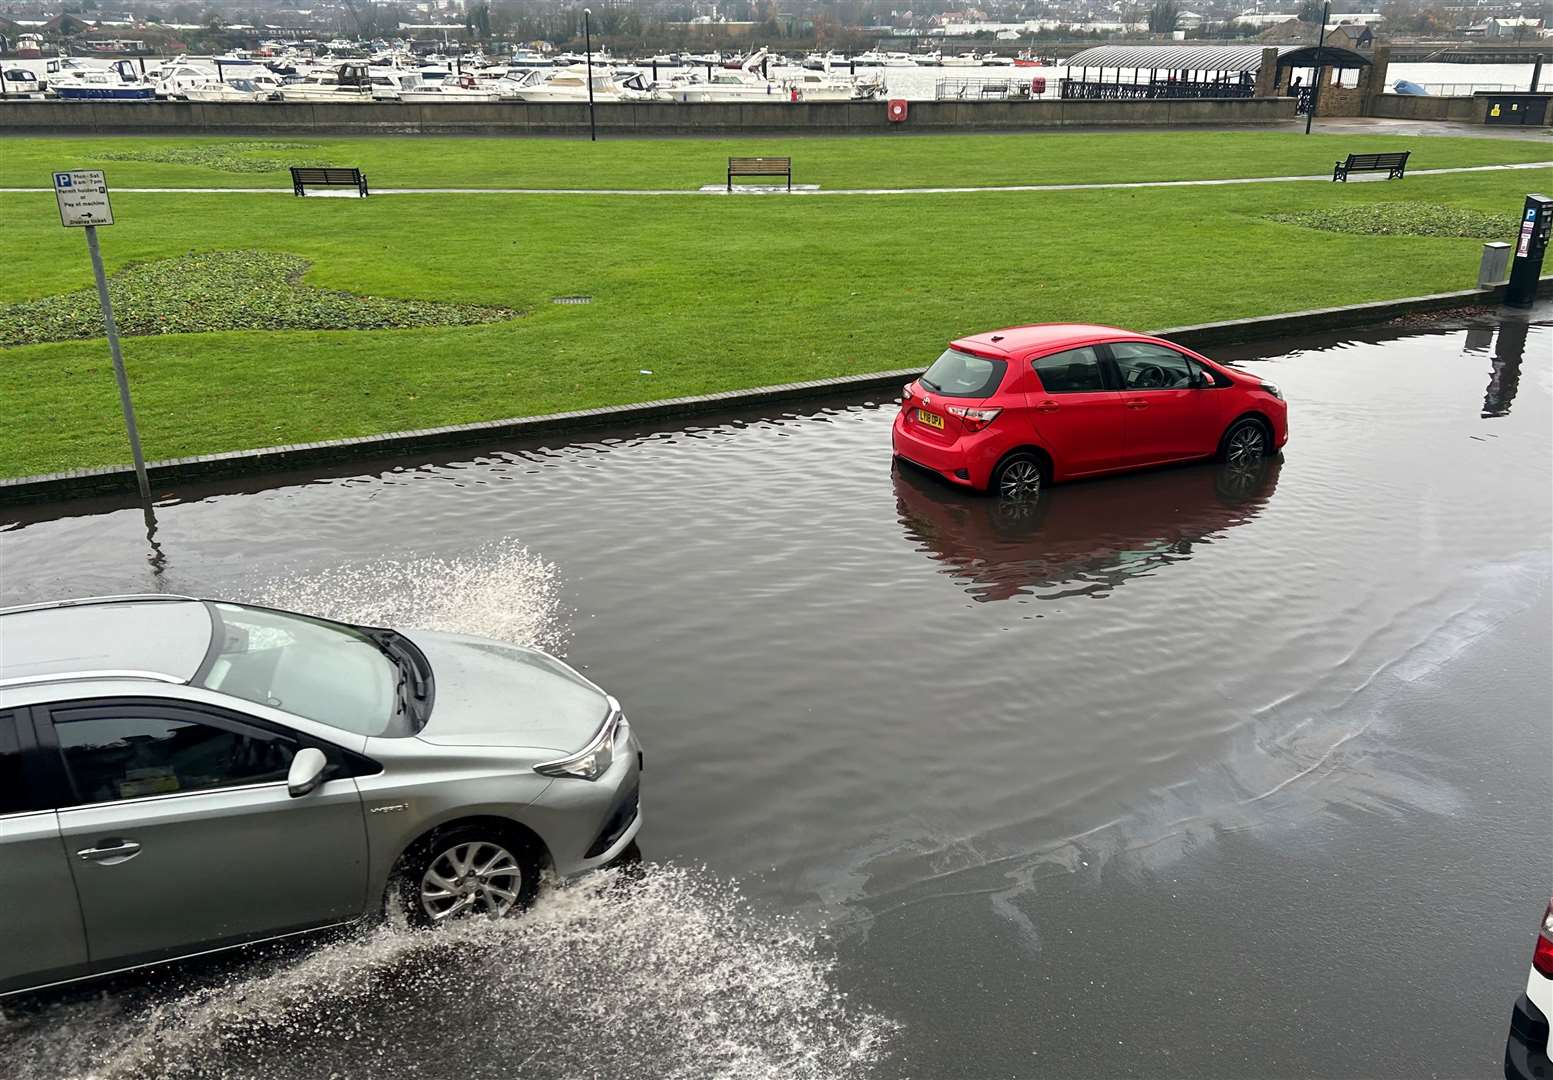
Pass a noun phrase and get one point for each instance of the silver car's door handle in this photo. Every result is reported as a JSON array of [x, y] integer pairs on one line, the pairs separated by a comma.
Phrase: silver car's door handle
[[124, 849]]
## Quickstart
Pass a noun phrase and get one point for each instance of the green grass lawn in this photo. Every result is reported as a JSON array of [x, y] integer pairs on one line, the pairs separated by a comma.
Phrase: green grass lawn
[[830, 161], [708, 294]]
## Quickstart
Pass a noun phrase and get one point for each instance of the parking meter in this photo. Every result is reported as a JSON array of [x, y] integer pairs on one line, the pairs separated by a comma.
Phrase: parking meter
[[1530, 245]]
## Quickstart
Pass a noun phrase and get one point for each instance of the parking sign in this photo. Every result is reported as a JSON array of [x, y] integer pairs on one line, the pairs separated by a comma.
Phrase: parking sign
[[83, 198]]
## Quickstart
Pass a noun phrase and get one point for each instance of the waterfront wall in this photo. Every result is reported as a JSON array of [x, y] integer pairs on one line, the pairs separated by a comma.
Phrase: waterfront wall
[[1465, 110], [614, 118]]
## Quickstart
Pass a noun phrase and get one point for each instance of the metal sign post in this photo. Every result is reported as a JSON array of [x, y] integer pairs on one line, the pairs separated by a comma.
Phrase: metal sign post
[[587, 37], [1315, 82], [83, 203]]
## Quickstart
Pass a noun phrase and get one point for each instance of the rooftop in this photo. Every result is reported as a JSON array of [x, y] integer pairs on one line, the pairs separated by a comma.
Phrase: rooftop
[[1016, 340], [162, 637], [1209, 57]]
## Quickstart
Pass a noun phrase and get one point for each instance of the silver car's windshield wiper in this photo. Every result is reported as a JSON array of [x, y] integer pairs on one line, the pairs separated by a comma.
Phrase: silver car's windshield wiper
[[412, 687]]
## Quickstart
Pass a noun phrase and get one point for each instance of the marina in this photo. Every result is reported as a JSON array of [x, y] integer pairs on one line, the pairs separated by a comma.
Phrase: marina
[[528, 75]]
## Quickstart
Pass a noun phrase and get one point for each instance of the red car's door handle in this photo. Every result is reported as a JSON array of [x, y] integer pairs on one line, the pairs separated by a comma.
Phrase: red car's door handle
[[1047, 406], [1137, 404]]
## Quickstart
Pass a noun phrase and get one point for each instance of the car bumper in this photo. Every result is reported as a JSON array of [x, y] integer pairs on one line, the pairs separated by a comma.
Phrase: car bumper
[[587, 824], [1526, 1051], [960, 463]]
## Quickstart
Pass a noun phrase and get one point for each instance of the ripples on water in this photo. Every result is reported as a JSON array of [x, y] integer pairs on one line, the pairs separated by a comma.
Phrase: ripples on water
[[658, 972]]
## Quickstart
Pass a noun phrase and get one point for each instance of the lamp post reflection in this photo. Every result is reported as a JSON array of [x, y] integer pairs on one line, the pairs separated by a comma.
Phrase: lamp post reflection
[[1505, 375]]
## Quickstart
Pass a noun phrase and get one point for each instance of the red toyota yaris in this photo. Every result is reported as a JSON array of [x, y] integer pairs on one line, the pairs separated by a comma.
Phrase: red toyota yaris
[[1010, 410]]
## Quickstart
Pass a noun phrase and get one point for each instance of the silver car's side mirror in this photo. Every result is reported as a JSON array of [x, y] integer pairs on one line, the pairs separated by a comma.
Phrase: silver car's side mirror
[[307, 771]]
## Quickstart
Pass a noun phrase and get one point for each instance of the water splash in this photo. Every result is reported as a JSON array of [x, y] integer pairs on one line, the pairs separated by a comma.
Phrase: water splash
[[500, 590], [655, 972]]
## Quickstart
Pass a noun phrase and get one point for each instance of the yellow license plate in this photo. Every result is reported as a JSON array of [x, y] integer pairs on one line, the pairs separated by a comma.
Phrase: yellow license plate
[[932, 420]]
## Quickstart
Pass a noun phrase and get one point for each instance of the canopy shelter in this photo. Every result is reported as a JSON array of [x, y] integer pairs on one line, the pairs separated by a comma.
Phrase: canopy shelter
[[1189, 71]]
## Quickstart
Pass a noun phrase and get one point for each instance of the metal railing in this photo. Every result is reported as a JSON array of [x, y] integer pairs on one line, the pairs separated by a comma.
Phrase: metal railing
[[1080, 90], [1463, 89], [986, 89]]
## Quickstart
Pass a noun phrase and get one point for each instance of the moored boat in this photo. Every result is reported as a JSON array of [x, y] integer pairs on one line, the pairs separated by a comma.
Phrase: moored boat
[[120, 82]]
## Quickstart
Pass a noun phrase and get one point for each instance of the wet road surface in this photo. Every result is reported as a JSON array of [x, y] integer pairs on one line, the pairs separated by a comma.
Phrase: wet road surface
[[1193, 772]]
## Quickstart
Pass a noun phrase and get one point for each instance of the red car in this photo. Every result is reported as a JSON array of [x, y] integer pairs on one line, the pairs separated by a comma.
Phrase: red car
[[1011, 410]]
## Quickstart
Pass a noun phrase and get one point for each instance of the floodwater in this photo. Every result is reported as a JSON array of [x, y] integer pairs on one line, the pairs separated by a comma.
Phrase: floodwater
[[1193, 772]]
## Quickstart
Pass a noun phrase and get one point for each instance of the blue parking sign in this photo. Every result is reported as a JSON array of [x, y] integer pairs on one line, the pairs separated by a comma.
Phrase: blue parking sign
[[61, 179]]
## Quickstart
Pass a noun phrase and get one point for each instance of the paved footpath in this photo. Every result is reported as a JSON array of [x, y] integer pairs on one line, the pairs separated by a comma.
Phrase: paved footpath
[[719, 189]]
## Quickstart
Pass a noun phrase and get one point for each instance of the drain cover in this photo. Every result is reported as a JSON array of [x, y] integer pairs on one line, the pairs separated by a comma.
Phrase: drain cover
[[571, 300]]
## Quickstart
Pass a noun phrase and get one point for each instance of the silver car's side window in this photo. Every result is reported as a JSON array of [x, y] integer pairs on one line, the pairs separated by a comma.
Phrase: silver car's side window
[[133, 751]]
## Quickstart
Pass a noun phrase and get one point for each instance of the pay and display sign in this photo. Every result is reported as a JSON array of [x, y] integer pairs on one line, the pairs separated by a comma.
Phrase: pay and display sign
[[83, 198]]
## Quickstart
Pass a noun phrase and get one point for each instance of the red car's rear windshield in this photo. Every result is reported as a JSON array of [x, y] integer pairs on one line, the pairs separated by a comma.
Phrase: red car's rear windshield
[[959, 374]]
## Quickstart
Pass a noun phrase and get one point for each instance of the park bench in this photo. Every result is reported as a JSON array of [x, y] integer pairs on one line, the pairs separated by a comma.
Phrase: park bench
[[1395, 164], [302, 178], [760, 166]]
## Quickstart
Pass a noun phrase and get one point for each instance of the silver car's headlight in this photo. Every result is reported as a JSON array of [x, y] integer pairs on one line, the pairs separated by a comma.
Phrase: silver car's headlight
[[593, 760]]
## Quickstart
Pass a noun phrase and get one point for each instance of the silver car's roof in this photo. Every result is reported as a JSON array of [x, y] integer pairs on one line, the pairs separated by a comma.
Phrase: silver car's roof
[[166, 637]]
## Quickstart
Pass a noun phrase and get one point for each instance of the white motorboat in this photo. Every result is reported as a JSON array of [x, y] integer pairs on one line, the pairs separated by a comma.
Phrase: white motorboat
[[928, 59], [258, 88], [747, 84], [897, 60], [571, 84], [390, 84], [345, 83], [824, 62], [969, 59], [528, 58], [462, 88], [997, 61], [825, 86], [21, 82], [721, 84], [172, 79], [871, 58], [121, 82]]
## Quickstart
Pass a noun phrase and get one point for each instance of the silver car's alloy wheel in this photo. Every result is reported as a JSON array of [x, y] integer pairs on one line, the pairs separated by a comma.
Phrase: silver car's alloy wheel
[[1020, 480], [475, 876], [1246, 444]]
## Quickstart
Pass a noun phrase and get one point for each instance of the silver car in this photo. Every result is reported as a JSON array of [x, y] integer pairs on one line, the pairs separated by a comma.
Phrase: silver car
[[179, 776]]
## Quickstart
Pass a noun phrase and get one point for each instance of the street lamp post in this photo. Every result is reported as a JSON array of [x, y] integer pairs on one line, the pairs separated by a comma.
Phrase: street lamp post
[[587, 40], [1315, 82]]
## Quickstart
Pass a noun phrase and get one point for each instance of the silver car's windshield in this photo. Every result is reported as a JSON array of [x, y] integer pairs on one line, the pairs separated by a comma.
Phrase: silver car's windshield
[[325, 671]]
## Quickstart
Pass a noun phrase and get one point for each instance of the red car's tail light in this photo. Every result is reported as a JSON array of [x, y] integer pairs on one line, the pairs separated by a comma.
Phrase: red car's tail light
[[1542, 957], [906, 391], [973, 418]]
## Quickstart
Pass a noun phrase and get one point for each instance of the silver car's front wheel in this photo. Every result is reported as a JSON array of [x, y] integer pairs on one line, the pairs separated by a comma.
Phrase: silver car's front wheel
[[473, 877], [463, 871]]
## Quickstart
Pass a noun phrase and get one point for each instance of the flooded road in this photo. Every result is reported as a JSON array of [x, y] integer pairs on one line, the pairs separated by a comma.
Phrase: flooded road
[[1193, 772]]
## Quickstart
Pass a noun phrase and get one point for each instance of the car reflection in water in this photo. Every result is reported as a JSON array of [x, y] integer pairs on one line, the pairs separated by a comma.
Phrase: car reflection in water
[[1079, 539]]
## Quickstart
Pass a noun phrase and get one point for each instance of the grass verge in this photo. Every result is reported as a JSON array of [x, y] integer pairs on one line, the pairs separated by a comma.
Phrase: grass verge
[[830, 161], [707, 294]]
